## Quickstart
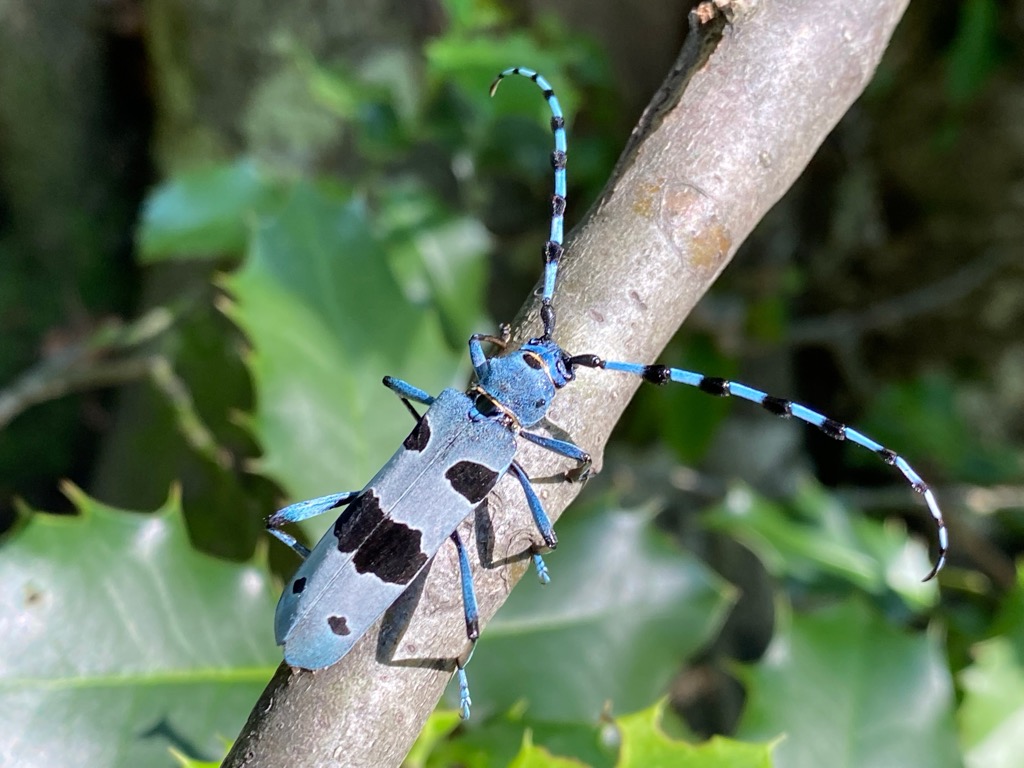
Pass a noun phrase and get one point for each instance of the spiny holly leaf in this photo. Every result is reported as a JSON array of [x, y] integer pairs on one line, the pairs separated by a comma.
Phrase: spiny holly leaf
[[818, 539], [846, 688], [437, 257], [327, 321], [623, 610], [925, 417], [439, 726], [471, 62], [531, 756], [187, 762], [1010, 620], [203, 213], [645, 745], [119, 641], [496, 742], [992, 713], [642, 744]]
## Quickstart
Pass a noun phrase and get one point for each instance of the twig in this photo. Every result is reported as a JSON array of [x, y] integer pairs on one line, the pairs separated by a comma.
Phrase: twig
[[95, 364], [85, 365], [897, 310], [190, 423]]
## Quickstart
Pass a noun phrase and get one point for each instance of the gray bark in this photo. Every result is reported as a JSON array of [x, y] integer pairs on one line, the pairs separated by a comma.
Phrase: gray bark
[[706, 165]]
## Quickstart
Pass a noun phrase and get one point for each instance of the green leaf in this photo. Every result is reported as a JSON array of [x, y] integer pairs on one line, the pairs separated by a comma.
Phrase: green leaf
[[992, 713], [439, 726], [472, 61], [974, 53], [119, 641], [327, 321], [468, 15], [684, 419], [624, 608], [1009, 622], [645, 745], [380, 102], [187, 762], [926, 417], [632, 741], [846, 688], [531, 756], [497, 741], [204, 213], [437, 257], [818, 539]]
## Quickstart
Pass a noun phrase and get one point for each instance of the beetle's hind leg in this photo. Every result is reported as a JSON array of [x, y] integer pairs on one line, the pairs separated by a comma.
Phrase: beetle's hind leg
[[472, 616]]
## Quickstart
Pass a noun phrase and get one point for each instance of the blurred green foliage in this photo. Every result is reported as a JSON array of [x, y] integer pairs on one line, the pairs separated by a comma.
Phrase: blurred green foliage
[[293, 291]]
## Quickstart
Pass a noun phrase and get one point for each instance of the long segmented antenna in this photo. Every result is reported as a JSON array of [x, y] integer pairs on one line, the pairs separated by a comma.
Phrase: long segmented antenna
[[661, 374], [552, 251]]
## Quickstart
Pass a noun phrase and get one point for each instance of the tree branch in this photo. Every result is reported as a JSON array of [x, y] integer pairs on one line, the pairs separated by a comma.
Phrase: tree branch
[[699, 175], [88, 364]]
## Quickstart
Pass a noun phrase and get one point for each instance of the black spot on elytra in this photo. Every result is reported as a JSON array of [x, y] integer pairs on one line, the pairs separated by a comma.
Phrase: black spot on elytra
[[472, 480], [419, 437], [338, 625], [298, 585], [359, 521], [392, 553], [389, 550]]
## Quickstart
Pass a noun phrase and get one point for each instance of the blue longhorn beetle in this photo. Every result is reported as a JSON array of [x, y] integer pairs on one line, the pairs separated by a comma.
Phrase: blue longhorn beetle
[[464, 443]]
